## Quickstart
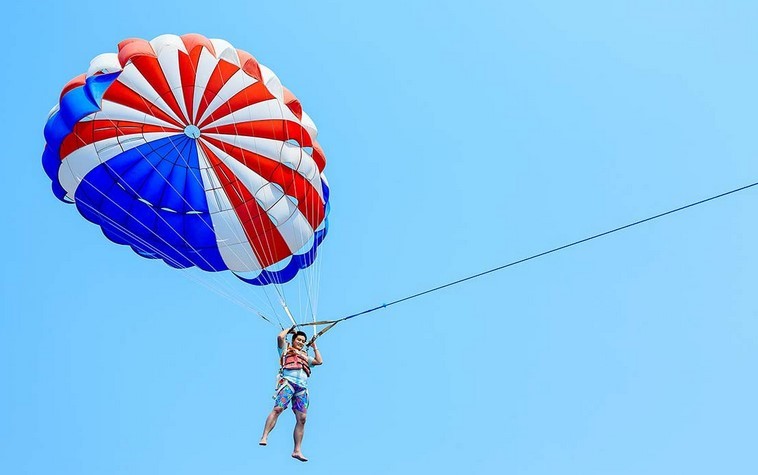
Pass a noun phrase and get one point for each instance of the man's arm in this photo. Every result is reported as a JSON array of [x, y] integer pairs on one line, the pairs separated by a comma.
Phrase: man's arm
[[317, 355], [281, 338]]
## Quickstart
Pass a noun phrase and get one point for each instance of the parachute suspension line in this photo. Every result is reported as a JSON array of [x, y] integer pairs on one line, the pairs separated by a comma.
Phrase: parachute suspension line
[[271, 304], [312, 273], [200, 151], [265, 241], [121, 227], [302, 278], [229, 295], [278, 286], [312, 300], [287, 311], [331, 323], [236, 235], [219, 283], [242, 303], [316, 292]]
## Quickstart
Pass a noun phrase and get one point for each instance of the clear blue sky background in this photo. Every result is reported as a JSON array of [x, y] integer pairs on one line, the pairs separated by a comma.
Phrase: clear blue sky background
[[460, 136]]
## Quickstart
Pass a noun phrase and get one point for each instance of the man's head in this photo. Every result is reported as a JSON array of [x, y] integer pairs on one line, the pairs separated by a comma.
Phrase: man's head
[[298, 339]]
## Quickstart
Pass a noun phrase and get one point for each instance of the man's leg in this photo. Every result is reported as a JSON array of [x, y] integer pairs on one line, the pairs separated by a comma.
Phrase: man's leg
[[298, 435], [270, 423], [282, 398]]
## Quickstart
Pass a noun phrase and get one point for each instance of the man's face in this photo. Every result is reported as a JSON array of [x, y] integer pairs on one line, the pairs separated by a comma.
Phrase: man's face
[[299, 342]]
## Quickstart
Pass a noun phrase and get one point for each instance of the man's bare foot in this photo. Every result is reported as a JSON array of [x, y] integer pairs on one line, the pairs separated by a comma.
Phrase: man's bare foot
[[262, 442], [299, 456]]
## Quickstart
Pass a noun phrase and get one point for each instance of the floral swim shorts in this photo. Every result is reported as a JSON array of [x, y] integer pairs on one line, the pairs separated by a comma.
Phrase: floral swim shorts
[[287, 391]]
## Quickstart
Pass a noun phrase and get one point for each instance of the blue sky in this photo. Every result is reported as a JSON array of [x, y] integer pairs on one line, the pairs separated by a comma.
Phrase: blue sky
[[459, 136]]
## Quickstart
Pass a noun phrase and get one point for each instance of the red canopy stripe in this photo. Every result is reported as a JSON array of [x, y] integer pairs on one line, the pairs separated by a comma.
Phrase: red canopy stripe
[[293, 184], [92, 131], [248, 96], [267, 243], [220, 76], [121, 94], [151, 70]]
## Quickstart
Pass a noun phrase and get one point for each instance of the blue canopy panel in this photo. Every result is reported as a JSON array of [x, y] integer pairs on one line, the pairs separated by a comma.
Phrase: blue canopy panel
[[151, 198], [74, 106]]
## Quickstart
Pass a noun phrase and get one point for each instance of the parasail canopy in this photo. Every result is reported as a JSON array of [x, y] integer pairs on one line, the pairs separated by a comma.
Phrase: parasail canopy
[[190, 151]]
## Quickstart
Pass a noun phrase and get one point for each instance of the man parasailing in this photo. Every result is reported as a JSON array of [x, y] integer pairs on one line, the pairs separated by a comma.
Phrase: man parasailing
[[292, 385]]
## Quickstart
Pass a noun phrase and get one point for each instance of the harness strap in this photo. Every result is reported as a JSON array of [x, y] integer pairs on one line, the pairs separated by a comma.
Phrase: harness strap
[[323, 330], [285, 382], [314, 324]]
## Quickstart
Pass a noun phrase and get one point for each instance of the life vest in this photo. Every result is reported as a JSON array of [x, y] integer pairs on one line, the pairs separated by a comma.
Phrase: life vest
[[294, 359]]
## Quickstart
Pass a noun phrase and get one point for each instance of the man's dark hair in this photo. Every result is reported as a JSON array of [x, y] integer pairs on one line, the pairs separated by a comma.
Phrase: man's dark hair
[[298, 333]]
